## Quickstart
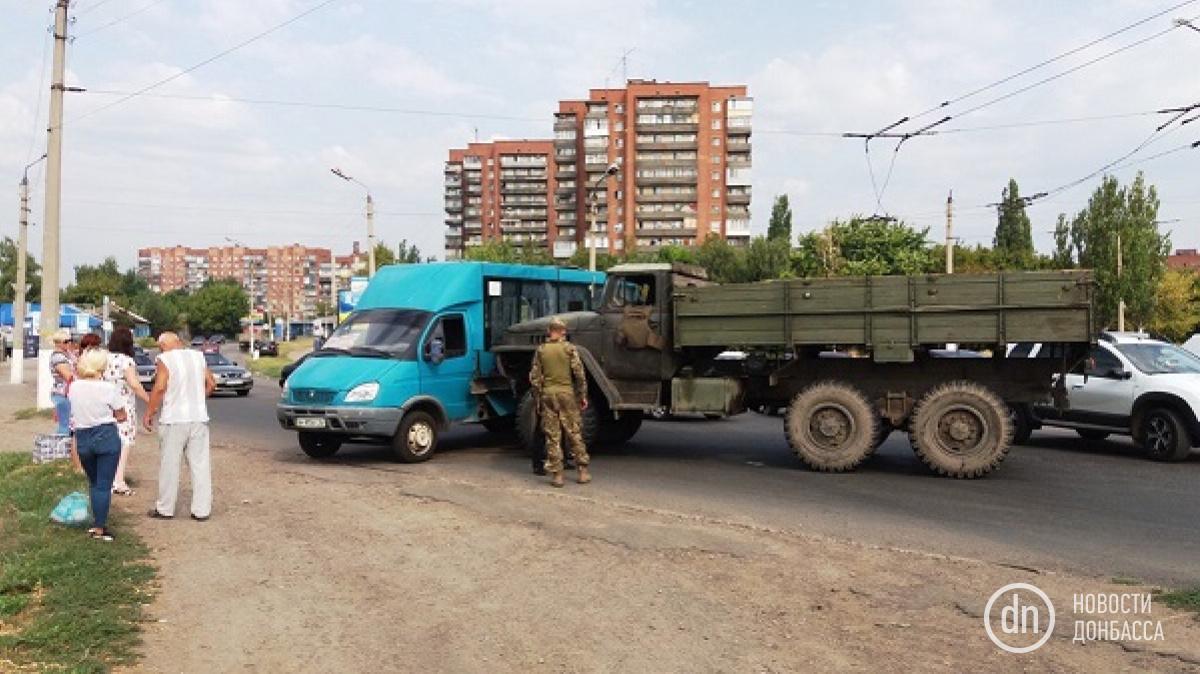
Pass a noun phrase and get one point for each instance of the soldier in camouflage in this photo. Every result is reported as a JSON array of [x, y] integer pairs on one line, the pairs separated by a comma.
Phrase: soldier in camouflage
[[560, 385]]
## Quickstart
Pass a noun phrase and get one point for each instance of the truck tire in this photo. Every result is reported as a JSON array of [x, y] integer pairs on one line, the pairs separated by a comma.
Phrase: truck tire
[[961, 429], [1164, 436], [615, 432], [529, 428], [500, 425], [319, 445], [831, 426], [1022, 422], [416, 439], [1092, 435]]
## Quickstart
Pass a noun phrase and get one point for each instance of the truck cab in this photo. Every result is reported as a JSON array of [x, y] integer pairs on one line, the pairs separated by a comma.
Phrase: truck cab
[[416, 355]]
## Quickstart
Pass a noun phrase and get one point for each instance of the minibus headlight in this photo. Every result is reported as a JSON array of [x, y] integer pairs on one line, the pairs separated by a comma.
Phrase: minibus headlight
[[363, 393]]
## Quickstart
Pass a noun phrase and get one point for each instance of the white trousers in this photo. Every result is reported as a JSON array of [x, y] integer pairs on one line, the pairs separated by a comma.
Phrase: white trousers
[[176, 442]]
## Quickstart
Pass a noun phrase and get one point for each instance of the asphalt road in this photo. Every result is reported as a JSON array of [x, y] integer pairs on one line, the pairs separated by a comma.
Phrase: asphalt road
[[1059, 503]]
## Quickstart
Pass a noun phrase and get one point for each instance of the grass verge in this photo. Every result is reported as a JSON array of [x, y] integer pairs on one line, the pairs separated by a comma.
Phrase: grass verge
[[26, 413], [270, 366], [66, 602], [1186, 600]]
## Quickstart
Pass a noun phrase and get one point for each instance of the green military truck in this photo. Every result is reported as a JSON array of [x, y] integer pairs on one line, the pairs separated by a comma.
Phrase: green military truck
[[850, 359]]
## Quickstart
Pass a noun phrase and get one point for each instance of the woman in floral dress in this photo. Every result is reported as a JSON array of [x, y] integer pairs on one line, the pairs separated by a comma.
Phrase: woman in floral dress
[[122, 371]]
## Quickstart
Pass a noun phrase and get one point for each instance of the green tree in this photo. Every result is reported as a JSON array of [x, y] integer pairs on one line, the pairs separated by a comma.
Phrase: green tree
[[161, 312], [768, 259], [725, 263], [8, 272], [1176, 307], [1014, 233], [384, 255], [604, 261], [780, 226], [861, 246], [1130, 214], [504, 251], [408, 253], [217, 306], [93, 282], [1062, 258]]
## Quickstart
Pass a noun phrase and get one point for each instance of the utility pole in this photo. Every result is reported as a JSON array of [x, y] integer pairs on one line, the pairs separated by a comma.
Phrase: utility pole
[[53, 213], [950, 233], [1120, 290], [370, 236], [16, 374]]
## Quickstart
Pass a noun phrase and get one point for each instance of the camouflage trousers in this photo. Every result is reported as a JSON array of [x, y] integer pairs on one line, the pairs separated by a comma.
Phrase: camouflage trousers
[[560, 417]]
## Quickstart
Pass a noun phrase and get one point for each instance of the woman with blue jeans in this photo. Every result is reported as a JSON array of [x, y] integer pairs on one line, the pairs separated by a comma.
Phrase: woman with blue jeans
[[96, 407], [62, 371]]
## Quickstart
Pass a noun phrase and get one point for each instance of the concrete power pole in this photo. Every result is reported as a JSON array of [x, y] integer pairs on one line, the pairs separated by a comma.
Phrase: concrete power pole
[[16, 374], [1121, 298], [370, 236], [950, 233], [50, 246]]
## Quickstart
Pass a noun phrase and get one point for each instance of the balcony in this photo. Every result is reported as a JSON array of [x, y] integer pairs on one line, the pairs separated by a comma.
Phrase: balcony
[[454, 219], [666, 180], [740, 160], [738, 176], [688, 196], [665, 215], [564, 249], [454, 231], [664, 159], [737, 228], [523, 188], [666, 145], [659, 229], [737, 198], [660, 106], [523, 176], [454, 207], [738, 126], [668, 127], [738, 144]]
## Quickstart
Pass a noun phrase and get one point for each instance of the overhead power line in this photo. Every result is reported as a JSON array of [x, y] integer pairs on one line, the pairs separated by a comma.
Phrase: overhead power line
[[86, 9], [314, 212], [217, 98], [120, 19], [215, 57]]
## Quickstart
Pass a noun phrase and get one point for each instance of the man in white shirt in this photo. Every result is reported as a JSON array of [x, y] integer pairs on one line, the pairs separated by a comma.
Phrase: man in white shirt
[[182, 381]]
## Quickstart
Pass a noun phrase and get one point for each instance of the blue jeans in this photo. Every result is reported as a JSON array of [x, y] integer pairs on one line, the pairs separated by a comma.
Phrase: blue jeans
[[62, 412], [99, 451]]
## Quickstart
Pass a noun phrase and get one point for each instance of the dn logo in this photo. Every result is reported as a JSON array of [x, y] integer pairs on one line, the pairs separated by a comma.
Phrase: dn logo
[[1022, 615]]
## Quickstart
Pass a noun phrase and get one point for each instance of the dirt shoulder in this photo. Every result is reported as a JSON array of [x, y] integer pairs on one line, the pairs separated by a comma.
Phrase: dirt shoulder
[[375, 566]]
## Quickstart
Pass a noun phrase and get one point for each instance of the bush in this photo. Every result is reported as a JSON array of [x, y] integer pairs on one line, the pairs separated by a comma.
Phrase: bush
[[147, 342]]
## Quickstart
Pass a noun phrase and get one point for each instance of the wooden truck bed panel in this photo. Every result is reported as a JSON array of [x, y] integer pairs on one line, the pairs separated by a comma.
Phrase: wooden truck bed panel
[[889, 315]]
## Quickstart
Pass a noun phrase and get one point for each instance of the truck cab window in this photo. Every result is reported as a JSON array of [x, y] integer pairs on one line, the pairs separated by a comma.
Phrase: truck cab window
[[452, 330], [631, 291]]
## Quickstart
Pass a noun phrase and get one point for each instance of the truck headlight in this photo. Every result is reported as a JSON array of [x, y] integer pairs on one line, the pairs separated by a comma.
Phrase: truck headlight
[[363, 393], [283, 392]]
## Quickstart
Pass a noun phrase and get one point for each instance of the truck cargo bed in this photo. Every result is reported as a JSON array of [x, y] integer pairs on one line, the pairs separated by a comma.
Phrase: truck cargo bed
[[891, 316]]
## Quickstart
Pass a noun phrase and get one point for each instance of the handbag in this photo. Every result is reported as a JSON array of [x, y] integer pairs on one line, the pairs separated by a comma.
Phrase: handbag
[[49, 447], [72, 510]]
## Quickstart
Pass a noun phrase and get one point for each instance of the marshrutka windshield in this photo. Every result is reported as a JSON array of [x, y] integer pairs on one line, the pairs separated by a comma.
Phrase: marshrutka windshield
[[379, 332], [1161, 358]]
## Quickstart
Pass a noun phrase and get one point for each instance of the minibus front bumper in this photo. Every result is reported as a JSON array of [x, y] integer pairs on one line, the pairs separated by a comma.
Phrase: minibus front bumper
[[346, 420]]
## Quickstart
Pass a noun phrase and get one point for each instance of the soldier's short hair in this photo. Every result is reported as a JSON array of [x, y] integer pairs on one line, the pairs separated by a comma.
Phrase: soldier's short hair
[[557, 323]]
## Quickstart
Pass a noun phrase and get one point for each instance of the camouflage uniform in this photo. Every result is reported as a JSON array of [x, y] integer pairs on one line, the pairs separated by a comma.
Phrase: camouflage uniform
[[559, 382]]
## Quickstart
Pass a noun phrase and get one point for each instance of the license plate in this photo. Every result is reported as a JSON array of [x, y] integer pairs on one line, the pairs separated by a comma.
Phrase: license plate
[[310, 422], [233, 382]]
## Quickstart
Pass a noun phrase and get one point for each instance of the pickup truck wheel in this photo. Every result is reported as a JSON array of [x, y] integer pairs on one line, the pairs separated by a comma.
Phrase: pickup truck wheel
[[1164, 437], [319, 445], [1022, 421], [961, 429], [831, 426], [619, 431], [1093, 435], [416, 439]]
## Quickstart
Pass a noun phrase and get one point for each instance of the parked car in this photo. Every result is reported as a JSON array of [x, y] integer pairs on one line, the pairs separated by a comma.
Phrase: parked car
[[217, 338], [270, 348], [198, 340], [1134, 385], [146, 369], [229, 375]]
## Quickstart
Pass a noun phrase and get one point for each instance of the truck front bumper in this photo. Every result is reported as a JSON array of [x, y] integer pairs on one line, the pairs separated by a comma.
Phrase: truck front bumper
[[347, 420]]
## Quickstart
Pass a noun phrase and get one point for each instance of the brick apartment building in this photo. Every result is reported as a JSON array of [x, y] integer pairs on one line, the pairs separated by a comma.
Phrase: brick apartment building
[[1184, 259], [683, 152], [503, 190], [280, 280]]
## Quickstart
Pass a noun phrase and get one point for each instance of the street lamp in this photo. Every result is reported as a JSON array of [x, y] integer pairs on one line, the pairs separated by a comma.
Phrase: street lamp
[[592, 199], [17, 366], [370, 219]]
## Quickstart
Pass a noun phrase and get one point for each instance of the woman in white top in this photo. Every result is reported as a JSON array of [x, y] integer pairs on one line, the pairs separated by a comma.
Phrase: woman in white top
[[96, 407], [122, 371]]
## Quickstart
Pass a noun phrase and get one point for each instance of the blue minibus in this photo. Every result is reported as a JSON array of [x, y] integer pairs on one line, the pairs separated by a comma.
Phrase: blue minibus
[[415, 355]]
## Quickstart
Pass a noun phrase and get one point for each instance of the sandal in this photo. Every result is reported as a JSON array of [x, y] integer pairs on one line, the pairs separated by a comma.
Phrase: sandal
[[101, 535], [122, 491]]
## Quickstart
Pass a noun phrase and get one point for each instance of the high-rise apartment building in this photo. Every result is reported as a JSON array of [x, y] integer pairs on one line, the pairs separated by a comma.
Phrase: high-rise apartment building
[[502, 190], [282, 280], [683, 155]]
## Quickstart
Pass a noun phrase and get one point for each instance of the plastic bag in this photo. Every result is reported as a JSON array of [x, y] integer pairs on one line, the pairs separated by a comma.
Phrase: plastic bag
[[72, 510]]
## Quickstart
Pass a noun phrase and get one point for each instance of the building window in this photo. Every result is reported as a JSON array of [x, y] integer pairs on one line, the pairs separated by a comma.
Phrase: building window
[[716, 159], [716, 209], [619, 126], [716, 124], [716, 194], [716, 175], [620, 142], [716, 106], [716, 141]]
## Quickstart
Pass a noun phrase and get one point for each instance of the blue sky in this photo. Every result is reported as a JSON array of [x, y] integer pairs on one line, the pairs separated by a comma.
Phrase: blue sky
[[159, 171]]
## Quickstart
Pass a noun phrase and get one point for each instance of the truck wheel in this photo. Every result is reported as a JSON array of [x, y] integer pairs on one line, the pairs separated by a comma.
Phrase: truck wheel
[[500, 425], [1164, 437], [831, 426], [619, 431], [319, 445], [961, 429], [1022, 422], [1093, 435], [529, 427], [417, 437]]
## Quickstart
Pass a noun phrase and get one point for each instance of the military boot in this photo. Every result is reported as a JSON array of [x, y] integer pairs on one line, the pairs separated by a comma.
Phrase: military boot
[[584, 476], [557, 479]]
